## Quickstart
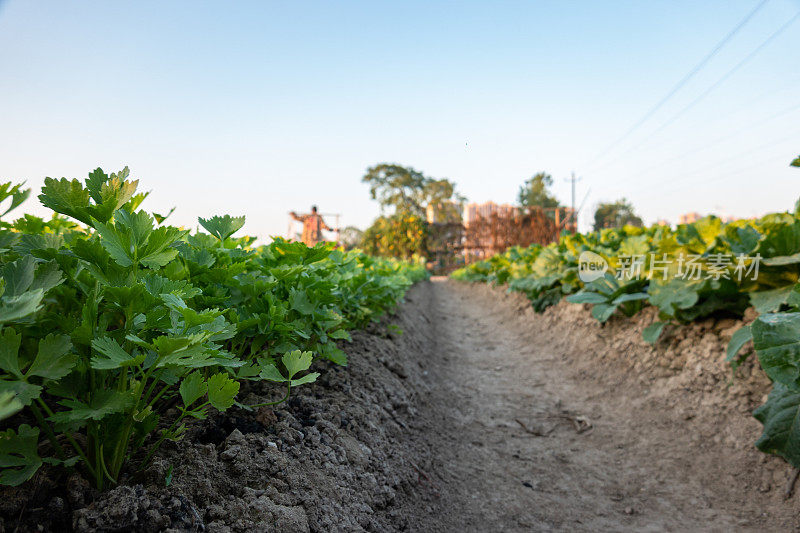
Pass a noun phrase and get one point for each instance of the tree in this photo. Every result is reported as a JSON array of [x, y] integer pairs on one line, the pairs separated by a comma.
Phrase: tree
[[401, 236], [796, 162], [534, 192], [615, 215], [406, 190]]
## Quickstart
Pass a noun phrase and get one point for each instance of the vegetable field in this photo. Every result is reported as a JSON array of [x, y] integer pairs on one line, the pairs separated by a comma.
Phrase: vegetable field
[[159, 378], [118, 329], [699, 270]]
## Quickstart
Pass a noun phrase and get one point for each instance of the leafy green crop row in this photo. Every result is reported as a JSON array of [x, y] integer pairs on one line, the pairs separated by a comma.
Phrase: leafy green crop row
[[109, 318], [688, 273]]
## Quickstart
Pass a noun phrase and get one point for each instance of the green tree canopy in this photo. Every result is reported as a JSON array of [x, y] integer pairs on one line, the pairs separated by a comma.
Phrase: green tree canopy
[[534, 192], [399, 235], [407, 190], [615, 215], [796, 162]]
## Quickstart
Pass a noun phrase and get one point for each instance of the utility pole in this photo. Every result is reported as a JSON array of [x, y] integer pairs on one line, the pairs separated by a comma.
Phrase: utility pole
[[573, 180]]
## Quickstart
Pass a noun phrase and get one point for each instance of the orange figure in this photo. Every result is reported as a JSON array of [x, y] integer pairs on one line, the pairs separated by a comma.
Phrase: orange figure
[[313, 224]]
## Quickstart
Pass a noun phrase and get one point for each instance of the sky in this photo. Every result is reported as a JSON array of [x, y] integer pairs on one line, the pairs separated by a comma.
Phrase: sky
[[259, 108]]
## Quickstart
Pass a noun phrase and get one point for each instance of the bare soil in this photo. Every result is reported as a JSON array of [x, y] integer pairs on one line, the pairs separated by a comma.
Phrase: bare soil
[[480, 416], [554, 422]]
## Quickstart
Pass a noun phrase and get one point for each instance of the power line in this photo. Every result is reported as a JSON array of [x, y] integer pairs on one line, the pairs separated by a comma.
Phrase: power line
[[734, 133], [683, 81], [743, 106], [728, 74], [726, 175], [784, 139], [747, 127], [716, 84]]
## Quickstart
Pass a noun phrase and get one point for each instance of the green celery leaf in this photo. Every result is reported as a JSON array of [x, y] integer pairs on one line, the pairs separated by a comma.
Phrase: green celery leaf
[[117, 191], [136, 226], [28, 243], [17, 307], [19, 457], [297, 361], [104, 403], [157, 285], [196, 356], [270, 372], [17, 194], [18, 275], [24, 392], [66, 197], [161, 218], [9, 352], [112, 355], [116, 244], [222, 227], [47, 276], [308, 378], [192, 318], [95, 182], [298, 300], [222, 391], [157, 260], [166, 345], [53, 360], [9, 405], [340, 334], [173, 301], [248, 371], [192, 388], [136, 201], [157, 253], [330, 352]]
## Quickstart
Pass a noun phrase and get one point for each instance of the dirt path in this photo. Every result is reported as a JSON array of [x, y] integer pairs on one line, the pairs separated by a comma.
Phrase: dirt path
[[521, 444]]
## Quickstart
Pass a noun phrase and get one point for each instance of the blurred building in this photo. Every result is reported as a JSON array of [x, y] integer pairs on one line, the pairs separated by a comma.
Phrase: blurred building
[[688, 218], [485, 210], [662, 222]]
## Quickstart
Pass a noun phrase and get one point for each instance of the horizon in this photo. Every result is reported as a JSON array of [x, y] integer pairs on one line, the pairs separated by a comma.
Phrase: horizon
[[273, 107]]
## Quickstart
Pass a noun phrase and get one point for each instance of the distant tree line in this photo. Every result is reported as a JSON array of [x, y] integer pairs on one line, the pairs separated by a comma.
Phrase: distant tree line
[[405, 193]]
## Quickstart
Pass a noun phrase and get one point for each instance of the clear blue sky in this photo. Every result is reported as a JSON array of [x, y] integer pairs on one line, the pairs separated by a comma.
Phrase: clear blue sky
[[258, 108]]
